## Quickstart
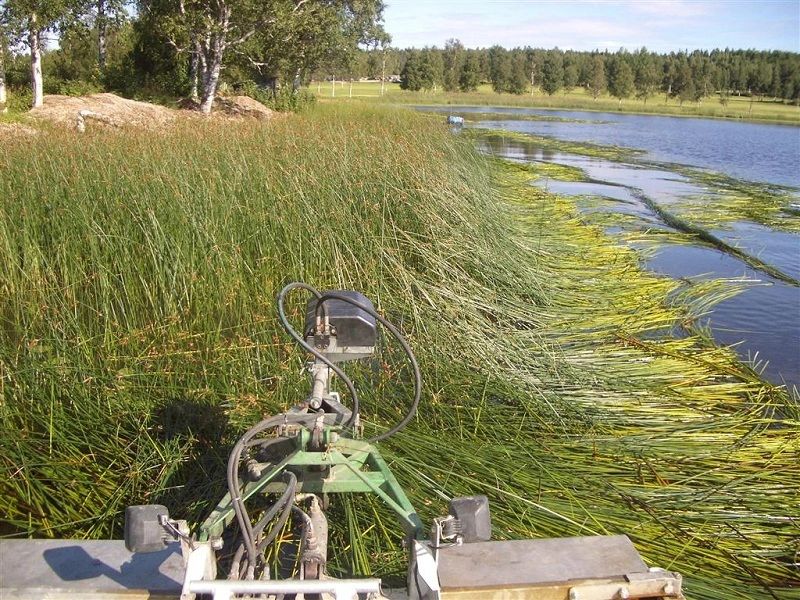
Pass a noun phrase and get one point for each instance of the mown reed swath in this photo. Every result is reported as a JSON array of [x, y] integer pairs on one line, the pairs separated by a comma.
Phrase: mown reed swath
[[137, 281]]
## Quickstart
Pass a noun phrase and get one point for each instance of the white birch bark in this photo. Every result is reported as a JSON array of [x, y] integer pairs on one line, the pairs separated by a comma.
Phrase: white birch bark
[[35, 43], [194, 73], [212, 50], [102, 34], [210, 47], [210, 82], [3, 98]]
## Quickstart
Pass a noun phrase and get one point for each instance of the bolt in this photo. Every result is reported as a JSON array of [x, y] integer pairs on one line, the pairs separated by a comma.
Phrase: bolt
[[623, 593], [573, 595], [668, 588]]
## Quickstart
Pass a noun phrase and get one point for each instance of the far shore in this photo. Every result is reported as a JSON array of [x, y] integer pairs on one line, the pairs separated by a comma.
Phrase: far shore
[[739, 108]]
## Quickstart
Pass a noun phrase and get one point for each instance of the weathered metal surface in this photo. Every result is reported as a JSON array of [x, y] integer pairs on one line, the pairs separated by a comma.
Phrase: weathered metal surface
[[91, 569], [518, 563]]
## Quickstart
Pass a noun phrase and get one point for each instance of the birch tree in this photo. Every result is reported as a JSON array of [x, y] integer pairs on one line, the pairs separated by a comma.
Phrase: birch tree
[[206, 30], [277, 37], [300, 38], [3, 97], [28, 22], [107, 14]]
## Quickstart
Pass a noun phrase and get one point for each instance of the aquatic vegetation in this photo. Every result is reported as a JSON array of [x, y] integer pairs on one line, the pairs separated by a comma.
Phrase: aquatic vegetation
[[616, 153], [735, 200], [728, 200], [137, 280], [552, 170], [477, 117], [681, 224]]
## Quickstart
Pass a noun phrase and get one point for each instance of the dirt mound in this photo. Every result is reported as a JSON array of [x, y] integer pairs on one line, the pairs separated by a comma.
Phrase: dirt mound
[[108, 109], [242, 106]]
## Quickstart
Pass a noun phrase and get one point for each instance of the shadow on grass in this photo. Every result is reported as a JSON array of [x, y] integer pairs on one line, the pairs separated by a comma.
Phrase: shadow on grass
[[195, 486]]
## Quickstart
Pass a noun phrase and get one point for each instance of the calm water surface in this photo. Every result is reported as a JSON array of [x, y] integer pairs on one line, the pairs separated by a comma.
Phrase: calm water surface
[[763, 322], [753, 151]]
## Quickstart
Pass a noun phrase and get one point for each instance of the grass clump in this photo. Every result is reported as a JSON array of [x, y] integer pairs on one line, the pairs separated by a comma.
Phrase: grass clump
[[138, 272]]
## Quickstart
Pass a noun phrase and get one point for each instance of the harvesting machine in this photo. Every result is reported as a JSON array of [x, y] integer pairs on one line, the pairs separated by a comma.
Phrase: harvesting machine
[[289, 466]]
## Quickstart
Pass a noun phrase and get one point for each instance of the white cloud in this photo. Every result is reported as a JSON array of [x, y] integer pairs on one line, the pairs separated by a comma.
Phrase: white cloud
[[680, 9]]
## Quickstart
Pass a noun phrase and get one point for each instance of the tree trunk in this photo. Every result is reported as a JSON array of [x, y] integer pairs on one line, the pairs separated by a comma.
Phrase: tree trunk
[[34, 41], [194, 74], [210, 81], [102, 35], [3, 98], [383, 72]]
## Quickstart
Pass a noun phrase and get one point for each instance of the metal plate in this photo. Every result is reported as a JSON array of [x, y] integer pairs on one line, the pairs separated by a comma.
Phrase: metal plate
[[87, 569], [523, 563]]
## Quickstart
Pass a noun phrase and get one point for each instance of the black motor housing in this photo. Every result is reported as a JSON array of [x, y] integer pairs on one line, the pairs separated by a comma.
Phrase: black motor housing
[[353, 326]]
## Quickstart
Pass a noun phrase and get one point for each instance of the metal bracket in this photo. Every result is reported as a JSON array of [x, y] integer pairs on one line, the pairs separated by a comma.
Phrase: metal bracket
[[346, 466], [341, 589], [655, 584]]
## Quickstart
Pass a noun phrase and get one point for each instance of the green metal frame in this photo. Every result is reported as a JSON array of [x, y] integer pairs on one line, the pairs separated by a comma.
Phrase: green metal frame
[[345, 466]]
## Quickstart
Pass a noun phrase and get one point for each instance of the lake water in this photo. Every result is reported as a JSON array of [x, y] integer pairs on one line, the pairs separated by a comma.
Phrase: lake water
[[764, 320], [752, 151]]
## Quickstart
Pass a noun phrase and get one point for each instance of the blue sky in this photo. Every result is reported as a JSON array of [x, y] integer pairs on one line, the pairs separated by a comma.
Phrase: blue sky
[[661, 25]]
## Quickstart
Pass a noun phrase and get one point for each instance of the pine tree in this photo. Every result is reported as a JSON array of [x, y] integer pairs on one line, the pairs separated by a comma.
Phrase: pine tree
[[453, 60], [410, 76], [432, 68], [570, 76], [499, 68], [684, 86], [553, 72], [597, 82], [518, 79], [646, 76], [469, 78], [620, 83]]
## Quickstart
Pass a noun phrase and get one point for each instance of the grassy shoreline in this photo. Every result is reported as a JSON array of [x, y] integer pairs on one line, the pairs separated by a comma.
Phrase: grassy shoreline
[[738, 109], [139, 272]]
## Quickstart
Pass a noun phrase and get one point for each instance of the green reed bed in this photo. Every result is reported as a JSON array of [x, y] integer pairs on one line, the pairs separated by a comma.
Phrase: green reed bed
[[137, 280]]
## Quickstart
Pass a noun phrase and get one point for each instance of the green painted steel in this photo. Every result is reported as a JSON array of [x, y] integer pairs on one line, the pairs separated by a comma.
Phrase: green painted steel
[[343, 466]]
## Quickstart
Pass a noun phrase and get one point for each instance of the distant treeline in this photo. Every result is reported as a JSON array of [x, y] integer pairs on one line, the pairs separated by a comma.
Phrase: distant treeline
[[687, 76]]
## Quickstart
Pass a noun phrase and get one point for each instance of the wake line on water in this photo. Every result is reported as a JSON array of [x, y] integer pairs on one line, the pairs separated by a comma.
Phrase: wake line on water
[[679, 224]]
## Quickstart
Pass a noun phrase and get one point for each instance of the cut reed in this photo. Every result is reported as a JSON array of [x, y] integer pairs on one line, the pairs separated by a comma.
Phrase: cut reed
[[137, 280]]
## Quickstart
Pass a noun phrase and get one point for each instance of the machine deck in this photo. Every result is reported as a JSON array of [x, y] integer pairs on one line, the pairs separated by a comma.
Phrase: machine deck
[[91, 569], [590, 568]]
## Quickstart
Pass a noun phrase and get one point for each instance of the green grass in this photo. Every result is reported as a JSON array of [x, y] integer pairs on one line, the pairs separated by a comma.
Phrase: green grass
[[738, 107], [138, 272]]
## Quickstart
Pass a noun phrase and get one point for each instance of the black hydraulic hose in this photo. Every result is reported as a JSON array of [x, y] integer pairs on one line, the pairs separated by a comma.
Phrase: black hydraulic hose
[[308, 348], [406, 348], [234, 489], [278, 526], [287, 498]]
